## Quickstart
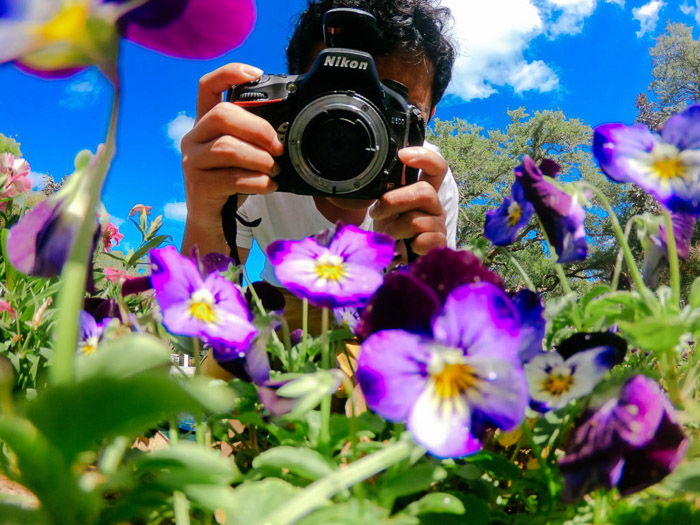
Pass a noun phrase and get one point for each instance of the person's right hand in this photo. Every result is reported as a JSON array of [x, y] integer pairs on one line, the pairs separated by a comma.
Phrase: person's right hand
[[228, 151]]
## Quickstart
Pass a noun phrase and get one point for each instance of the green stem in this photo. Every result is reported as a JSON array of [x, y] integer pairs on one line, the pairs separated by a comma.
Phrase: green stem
[[526, 278], [318, 493], [74, 274], [325, 432], [624, 245], [181, 506], [557, 267], [673, 259], [620, 254], [304, 331]]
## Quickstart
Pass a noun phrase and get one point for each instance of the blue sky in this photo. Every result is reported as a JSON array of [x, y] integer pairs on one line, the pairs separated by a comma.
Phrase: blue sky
[[588, 58]]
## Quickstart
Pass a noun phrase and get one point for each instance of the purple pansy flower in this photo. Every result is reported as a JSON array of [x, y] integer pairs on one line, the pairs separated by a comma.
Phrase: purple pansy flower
[[40, 243], [657, 253], [447, 386], [502, 224], [562, 217], [341, 267], [532, 323], [212, 308], [58, 38], [667, 165], [630, 443], [573, 371], [410, 298], [90, 332]]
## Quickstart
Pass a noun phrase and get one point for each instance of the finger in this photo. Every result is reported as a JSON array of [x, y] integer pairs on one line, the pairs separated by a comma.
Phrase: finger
[[213, 84], [419, 196], [433, 167], [228, 119], [425, 242], [229, 152], [229, 181], [414, 223]]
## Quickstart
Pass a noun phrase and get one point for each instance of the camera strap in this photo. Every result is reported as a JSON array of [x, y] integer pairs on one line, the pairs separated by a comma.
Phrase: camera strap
[[229, 218]]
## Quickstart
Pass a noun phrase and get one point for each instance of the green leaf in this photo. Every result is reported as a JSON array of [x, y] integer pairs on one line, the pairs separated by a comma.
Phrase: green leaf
[[16, 515], [353, 512], [133, 258], [655, 333], [11, 274], [400, 483], [252, 502], [476, 512], [437, 502], [685, 479], [302, 462], [496, 465], [124, 357], [76, 417]]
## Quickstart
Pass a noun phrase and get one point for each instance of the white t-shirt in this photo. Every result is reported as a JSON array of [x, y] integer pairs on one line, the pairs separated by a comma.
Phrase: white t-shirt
[[293, 217]]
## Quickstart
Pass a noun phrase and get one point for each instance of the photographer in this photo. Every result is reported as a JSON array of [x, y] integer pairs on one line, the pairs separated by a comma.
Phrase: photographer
[[232, 151]]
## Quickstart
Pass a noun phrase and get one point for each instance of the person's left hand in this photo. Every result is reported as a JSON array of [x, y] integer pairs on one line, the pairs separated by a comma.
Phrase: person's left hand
[[414, 211]]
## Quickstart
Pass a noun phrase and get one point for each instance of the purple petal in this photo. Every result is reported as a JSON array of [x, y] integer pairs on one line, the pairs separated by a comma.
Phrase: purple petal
[[683, 129], [88, 326], [550, 168], [615, 144], [392, 372], [532, 323], [21, 241], [444, 432], [444, 269], [48, 73], [216, 262], [501, 395], [136, 285], [403, 301], [561, 216], [581, 341], [174, 277], [203, 29], [683, 229], [368, 249], [641, 406], [503, 223], [101, 308], [481, 320]]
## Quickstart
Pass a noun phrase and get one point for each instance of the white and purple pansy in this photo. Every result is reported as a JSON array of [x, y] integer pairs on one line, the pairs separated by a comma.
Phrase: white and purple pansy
[[574, 370], [211, 308], [445, 387], [666, 165], [561, 216], [341, 267], [90, 332], [502, 224]]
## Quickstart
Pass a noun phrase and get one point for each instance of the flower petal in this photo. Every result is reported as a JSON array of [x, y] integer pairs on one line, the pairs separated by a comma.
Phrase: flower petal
[[614, 144], [360, 247], [683, 129], [480, 319], [174, 277], [392, 372], [532, 323], [22, 238]]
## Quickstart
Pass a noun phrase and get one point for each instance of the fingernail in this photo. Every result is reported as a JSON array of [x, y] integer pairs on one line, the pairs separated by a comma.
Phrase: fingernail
[[251, 72]]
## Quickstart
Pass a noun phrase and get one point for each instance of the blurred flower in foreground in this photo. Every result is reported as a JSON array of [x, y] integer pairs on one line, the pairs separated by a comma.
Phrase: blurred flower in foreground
[[503, 223], [342, 266], [212, 308], [448, 386], [14, 178], [667, 165], [561, 216], [40, 243], [111, 236], [60, 37], [555, 380], [630, 443]]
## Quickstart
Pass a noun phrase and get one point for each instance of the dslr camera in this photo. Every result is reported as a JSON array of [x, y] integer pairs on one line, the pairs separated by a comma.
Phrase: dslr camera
[[341, 125]]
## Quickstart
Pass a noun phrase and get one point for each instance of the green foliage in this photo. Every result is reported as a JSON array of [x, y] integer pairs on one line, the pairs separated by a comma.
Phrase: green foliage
[[9, 145]]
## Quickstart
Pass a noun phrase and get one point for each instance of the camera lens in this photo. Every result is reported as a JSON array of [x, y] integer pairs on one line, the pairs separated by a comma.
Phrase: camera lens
[[338, 145]]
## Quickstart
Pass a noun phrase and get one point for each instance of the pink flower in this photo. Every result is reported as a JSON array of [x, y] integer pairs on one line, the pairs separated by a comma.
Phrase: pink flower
[[5, 307], [115, 275], [110, 234], [13, 177], [139, 208]]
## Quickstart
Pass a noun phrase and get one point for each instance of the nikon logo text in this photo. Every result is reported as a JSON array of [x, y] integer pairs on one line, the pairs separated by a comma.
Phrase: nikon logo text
[[341, 61]]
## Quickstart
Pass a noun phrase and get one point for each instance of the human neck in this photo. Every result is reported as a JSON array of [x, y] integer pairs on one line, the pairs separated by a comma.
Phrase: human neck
[[334, 213]]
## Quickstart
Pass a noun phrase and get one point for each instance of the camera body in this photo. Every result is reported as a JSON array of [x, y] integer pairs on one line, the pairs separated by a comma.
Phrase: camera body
[[341, 126]]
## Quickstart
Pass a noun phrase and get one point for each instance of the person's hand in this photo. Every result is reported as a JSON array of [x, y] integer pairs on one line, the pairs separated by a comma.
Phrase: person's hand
[[414, 211], [229, 150]]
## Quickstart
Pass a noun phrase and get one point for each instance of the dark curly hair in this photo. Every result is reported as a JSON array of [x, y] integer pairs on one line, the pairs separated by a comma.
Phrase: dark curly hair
[[412, 26]]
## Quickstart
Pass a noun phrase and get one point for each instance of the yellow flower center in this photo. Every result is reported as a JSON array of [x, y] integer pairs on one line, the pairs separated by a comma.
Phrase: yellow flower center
[[68, 23], [669, 167], [330, 267], [558, 383], [454, 379], [89, 345], [201, 306], [514, 213]]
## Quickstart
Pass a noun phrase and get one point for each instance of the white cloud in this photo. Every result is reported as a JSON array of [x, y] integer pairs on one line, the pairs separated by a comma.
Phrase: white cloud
[[85, 90], [621, 3], [648, 16], [693, 11], [178, 127], [176, 211], [37, 179], [567, 15]]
